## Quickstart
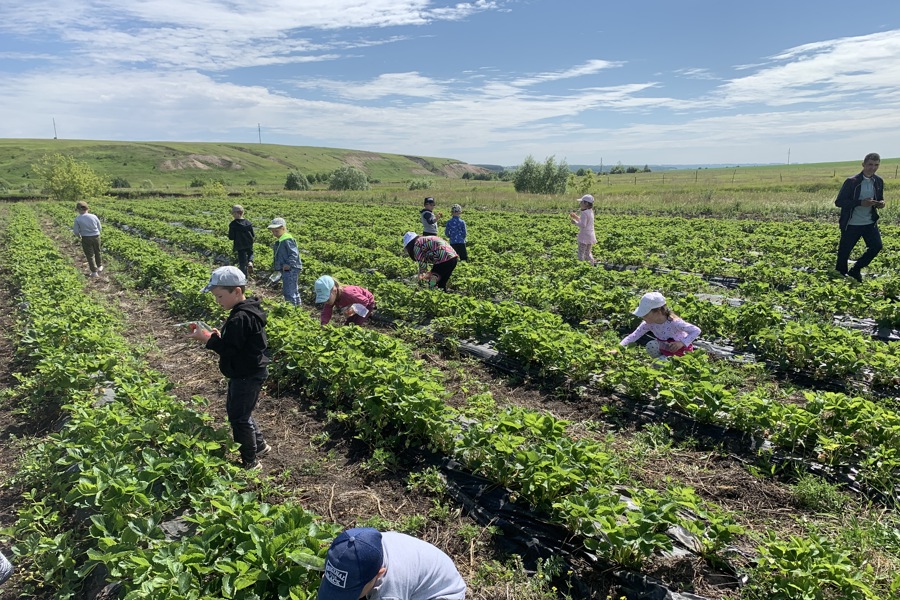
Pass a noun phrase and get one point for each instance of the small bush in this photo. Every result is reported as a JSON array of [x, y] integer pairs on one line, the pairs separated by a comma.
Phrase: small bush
[[119, 182], [419, 184], [196, 182], [348, 178], [296, 181]]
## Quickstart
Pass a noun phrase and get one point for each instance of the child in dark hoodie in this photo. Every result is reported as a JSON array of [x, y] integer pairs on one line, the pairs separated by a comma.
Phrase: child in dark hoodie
[[242, 348], [240, 231]]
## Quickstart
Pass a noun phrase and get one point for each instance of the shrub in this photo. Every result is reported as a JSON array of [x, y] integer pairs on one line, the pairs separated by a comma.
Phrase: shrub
[[534, 178], [214, 189], [348, 178], [296, 181], [196, 182], [419, 184], [120, 182], [68, 179]]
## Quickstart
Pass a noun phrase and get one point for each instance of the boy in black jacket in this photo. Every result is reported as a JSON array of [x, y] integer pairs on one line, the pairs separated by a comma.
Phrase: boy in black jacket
[[240, 231], [242, 348]]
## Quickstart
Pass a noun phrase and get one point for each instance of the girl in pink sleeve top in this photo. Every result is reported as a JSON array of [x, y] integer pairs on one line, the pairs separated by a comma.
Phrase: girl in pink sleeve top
[[674, 336], [585, 221], [332, 294]]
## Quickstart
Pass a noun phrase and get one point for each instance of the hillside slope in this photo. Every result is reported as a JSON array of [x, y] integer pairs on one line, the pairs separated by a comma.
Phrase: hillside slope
[[160, 164]]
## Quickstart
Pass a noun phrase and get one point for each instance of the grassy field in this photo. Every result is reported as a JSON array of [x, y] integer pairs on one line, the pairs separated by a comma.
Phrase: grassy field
[[775, 191], [173, 165]]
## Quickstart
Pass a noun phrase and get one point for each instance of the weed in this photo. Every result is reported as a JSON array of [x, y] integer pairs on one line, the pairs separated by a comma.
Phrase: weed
[[814, 493]]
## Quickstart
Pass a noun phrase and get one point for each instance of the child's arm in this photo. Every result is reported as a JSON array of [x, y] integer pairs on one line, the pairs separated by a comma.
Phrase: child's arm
[[692, 332], [636, 334], [327, 311]]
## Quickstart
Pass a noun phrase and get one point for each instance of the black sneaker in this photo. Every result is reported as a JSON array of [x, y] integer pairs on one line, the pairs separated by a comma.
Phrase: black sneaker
[[855, 275], [264, 450], [253, 466]]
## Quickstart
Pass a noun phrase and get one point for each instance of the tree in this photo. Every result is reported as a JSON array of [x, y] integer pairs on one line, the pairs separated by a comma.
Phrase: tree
[[296, 181], [68, 179], [348, 178], [617, 170], [586, 184], [534, 178]]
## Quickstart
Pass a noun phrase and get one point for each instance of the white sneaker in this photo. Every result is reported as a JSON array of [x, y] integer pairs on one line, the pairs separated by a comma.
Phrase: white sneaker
[[95, 274], [100, 269]]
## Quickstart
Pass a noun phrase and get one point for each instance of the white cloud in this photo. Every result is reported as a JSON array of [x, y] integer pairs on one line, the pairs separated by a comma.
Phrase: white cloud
[[389, 84], [589, 68], [841, 69]]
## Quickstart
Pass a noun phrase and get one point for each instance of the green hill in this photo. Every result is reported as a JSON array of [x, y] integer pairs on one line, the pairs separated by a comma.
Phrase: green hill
[[163, 165]]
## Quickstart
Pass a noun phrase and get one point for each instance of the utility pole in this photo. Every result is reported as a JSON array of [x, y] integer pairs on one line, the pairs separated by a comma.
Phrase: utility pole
[[789, 156], [259, 132], [54, 128]]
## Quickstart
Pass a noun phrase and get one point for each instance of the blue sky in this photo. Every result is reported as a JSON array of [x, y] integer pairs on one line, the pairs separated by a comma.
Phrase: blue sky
[[484, 81]]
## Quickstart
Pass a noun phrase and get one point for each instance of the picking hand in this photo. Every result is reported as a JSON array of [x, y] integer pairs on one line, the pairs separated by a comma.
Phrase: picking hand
[[198, 333]]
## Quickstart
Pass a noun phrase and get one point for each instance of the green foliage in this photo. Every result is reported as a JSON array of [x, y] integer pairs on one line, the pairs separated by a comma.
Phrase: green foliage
[[419, 184], [296, 181], [119, 182], [534, 178], [815, 494], [348, 178], [809, 569], [68, 179], [214, 189]]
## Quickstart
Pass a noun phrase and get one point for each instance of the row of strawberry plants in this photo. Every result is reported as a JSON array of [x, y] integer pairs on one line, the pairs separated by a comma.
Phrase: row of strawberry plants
[[847, 585], [129, 457], [542, 339], [373, 383], [833, 353], [584, 295]]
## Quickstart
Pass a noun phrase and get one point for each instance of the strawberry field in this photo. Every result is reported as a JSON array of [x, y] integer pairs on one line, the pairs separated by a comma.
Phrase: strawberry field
[[764, 465]]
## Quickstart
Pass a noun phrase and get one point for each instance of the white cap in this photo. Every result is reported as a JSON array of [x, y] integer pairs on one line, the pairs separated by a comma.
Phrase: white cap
[[408, 237], [277, 222], [587, 198], [225, 276], [649, 301]]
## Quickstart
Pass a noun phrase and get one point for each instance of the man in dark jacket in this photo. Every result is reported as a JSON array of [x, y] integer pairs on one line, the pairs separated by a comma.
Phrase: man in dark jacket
[[860, 198], [242, 348]]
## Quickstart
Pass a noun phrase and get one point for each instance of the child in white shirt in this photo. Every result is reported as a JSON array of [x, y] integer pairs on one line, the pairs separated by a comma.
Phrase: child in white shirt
[[673, 334]]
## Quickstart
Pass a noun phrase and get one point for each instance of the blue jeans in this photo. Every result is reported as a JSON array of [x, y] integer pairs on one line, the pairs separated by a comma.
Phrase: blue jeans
[[849, 237], [289, 287], [243, 393]]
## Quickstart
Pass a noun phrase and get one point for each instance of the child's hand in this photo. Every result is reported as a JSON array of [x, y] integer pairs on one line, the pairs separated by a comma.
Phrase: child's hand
[[198, 333], [573, 214], [286, 268], [440, 215], [674, 346], [613, 351]]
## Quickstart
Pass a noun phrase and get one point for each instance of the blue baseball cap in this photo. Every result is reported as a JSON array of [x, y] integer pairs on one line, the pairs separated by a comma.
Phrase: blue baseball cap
[[353, 560], [323, 287]]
